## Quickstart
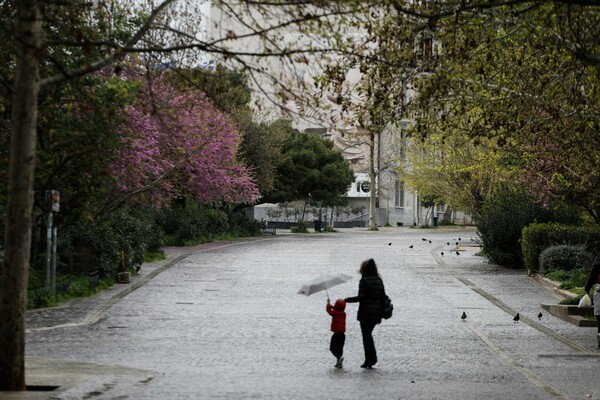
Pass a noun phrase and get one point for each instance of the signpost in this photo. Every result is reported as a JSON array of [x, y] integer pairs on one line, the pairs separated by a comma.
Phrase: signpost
[[52, 206]]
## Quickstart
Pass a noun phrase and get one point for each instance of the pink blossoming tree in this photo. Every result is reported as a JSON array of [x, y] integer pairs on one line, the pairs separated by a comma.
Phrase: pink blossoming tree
[[178, 144]]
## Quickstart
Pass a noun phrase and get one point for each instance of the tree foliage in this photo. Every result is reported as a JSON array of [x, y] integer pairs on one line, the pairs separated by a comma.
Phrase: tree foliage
[[178, 143], [261, 141], [462, 171], [312, 170]]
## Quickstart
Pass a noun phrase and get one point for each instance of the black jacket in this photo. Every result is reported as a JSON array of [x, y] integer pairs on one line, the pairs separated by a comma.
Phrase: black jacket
[[371, 294], [594, 278]]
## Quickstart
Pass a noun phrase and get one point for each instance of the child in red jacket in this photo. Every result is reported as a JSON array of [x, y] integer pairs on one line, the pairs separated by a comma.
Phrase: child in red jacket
[[338, 327]]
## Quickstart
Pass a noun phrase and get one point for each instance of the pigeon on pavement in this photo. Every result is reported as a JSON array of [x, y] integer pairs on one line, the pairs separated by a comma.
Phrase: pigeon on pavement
[[517, 318], [463, 316]]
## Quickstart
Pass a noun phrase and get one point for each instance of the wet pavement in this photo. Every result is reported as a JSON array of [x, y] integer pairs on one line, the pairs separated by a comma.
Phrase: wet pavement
[[224, 321]]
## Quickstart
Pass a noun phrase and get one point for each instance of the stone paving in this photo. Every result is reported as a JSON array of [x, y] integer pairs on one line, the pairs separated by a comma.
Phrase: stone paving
[[224, 321]]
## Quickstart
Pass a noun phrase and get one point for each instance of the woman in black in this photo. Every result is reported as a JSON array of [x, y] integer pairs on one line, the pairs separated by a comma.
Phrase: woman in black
[[371, 294], [595, 280]]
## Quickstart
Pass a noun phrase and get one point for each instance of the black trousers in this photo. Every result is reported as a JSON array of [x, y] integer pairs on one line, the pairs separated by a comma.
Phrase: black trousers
[[366, 328], [337, 344]]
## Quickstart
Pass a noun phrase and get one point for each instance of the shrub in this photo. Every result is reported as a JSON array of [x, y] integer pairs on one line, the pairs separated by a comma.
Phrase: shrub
[[188, 223], [97, 244], [537, 237], [243, 225], [564, 257], [301, 228], [502, 218]]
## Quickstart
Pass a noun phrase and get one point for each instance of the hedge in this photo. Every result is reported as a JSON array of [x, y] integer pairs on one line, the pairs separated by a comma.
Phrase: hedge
[[502, 217], [537, 237]]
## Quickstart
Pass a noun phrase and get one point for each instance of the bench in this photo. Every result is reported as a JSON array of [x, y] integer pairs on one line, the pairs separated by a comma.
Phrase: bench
[[268, 228]]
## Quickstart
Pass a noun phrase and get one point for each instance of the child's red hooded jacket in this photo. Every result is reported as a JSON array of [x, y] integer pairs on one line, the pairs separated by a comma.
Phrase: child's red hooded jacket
[[338, 320]]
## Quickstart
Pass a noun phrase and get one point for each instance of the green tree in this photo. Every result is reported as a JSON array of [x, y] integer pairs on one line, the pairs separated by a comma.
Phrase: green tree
[[262, 149], [464, 171], [311, 170]]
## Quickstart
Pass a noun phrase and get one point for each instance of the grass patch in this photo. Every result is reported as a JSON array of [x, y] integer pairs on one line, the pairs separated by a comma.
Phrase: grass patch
[[79, 287], [573, 280], [153, 256]]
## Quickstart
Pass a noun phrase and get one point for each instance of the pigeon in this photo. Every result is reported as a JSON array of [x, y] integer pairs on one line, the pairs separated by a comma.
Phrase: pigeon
[[457, 253], [463, 316], [459, 239], [390, 243], [429, 241], [447, 243], [423, 239], [540, 315], [442, 253], [411, 246], [457, 243], [517, 318]]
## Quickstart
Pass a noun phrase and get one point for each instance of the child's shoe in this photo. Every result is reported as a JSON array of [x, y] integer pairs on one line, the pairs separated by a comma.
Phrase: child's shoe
[[339, 362]]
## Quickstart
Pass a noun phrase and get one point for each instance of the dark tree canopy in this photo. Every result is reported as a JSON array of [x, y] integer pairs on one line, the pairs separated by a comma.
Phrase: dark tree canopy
[[311, 170]]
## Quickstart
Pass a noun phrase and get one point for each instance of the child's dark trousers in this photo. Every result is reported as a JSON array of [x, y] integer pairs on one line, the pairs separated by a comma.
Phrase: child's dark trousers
[[337, 344]]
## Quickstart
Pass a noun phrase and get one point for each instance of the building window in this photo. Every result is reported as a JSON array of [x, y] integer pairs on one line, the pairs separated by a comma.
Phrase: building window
[[399, 194], [427, 48], [402, 145]]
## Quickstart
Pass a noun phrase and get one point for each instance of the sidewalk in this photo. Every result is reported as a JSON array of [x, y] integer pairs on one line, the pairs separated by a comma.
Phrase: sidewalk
[[87, 310], [47, 374]]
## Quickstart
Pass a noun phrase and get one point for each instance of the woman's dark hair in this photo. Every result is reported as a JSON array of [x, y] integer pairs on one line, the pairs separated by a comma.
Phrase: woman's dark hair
[[368, 267]]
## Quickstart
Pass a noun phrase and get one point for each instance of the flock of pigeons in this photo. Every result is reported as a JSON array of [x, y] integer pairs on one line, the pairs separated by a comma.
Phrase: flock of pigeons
[[516, 317], [447, 243], [463, 317]]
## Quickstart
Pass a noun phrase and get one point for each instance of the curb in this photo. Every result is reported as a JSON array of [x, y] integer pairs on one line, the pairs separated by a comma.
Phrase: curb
[[565, 294]]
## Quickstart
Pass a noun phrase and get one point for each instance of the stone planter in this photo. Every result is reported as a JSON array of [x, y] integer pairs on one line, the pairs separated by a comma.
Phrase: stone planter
[[583, 317], [123, 277]]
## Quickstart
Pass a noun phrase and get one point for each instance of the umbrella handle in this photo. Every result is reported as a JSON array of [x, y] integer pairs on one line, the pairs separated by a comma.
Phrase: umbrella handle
[[326, 291]]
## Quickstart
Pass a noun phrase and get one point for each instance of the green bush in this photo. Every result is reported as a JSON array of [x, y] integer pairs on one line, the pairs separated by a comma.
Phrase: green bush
[[301, 228], [564, 257], [537, 237], [188, 223], [502, 218], [242, 225], [97, 245]]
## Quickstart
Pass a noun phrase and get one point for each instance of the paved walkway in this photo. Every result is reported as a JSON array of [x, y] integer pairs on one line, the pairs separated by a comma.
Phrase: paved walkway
[[224, 321]]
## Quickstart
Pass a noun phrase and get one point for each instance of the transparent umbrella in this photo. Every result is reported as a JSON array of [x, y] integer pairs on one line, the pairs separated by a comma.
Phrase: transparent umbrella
[[323, 282]]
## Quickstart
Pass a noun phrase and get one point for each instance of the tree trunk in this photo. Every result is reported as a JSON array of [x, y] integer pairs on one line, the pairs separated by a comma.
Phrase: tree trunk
[[373, 192], [13, 289]]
